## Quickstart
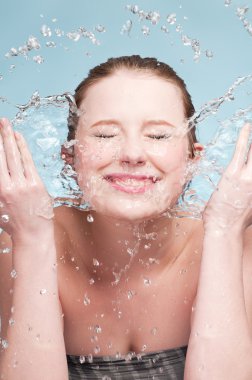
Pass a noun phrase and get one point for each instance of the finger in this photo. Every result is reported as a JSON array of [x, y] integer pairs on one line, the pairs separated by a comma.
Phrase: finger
[[4, 173], [29, 169], [12, 154], [239, 156]]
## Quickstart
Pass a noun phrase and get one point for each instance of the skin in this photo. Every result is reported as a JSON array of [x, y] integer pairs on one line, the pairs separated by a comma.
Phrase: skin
[[134, 288]]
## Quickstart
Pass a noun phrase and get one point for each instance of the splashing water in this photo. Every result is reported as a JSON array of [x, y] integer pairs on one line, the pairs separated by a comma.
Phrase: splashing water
[[43, 122]]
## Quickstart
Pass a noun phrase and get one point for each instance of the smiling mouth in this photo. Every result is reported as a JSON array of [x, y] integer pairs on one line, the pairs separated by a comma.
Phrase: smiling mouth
[[133, 184]]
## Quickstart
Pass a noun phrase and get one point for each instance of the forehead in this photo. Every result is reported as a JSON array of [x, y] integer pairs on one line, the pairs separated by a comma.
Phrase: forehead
[[140, 94]]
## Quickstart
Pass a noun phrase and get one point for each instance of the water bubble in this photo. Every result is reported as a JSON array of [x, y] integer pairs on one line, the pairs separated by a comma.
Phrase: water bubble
[[100, 28], [90, 218], [5, 250], [59, 32], [46, 31], [164, 29], [97, 350], [50, 44], [147, 281], [91, 281], [11, 322], [126, 28], [227, 3], [75, 36], [241, 11], [82, 359], [96, 262], [32, 43], [90, 358], [171, 18], [5, 344], [13, 273], [43, 291], [5, 218], [86, 300], [131, 293], [106, 377], [145, 30], [209, 54], [98, 329], [38, 59], [54, 20], [154, 331]]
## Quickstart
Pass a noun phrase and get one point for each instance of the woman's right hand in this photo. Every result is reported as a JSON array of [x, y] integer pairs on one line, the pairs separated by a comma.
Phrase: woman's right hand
[[25, 205]]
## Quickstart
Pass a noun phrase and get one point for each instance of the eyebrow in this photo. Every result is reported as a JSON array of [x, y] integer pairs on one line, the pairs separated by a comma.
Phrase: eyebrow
[[145, 124]]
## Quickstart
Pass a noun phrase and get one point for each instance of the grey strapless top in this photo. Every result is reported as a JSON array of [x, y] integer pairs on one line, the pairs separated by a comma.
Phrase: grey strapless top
[[166, 364]]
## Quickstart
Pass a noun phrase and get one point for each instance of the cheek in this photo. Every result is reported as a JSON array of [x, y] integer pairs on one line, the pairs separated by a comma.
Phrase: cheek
[[91, 155], [170, 157]]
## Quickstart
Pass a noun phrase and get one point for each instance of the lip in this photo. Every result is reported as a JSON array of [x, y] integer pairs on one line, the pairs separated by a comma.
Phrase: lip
[[118, 182]]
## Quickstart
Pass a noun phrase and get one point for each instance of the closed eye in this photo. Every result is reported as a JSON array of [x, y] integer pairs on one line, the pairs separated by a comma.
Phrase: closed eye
[[102, 136], [160, 137]]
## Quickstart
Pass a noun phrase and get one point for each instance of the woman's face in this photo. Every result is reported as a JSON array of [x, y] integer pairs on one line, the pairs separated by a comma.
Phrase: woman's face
[[132, 150]]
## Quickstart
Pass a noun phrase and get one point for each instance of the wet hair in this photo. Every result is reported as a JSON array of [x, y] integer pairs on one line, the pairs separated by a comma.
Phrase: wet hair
[[137, 64]]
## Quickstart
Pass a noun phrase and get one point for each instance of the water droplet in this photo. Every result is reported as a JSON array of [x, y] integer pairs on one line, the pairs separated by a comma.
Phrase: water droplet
[[11, 321], [5, 344], [154, 331], [5, 250], [97, 350], [50, 44], [171, 18], [59, 32], [97, 329], [90, 358], [147, 281], [209, 54], [82, 359], [1, 77], [75, 36], [131, 293], [91, 281], [38, 59], [43, 291], [46, 31], [54, 20], [100, 28], [5, 218], [90, 218], [227, 3], [183, 271], [86, 300], [144, 347], [164, 29], [106, 377], [96, 262], [32, 43], [126, 28], [13, 273]]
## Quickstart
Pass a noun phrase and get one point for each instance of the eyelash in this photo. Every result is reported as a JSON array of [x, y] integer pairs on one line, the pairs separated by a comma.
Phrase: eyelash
[[102, 136], [155, 137], [159, 137]]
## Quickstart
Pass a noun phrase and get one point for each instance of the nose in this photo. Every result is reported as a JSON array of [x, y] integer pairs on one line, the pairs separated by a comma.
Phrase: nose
[[132, 152]]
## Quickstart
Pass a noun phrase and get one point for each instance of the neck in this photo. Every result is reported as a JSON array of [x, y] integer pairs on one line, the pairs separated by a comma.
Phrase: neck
[[119, 247]]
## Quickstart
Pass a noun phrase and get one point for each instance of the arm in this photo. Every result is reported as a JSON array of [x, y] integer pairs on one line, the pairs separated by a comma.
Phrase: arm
[[35, 340], [220, 345]]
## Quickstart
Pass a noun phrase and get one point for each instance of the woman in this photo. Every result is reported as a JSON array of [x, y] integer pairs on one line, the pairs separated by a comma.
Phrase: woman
[[112, 293]]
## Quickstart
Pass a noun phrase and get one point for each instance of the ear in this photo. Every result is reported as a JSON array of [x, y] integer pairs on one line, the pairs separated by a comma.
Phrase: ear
[[198, 150], [67, 154]]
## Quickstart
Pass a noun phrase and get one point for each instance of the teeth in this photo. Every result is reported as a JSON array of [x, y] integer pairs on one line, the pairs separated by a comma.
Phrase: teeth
[[131, 182]]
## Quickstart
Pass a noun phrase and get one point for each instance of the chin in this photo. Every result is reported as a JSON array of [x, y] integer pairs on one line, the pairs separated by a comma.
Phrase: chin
[[132, 212]]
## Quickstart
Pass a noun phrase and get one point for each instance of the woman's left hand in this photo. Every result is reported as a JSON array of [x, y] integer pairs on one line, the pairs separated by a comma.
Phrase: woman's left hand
[[230, 206]]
